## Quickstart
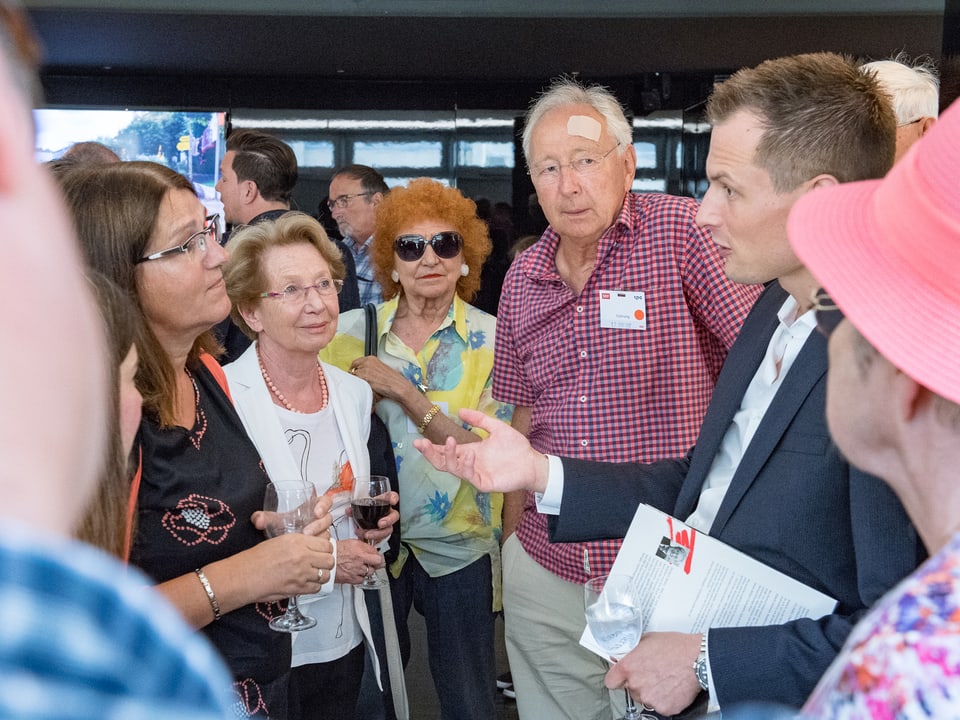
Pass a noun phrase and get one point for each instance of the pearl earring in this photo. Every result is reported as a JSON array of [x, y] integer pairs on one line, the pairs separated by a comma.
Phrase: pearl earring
[[464, 270], [395, 276]]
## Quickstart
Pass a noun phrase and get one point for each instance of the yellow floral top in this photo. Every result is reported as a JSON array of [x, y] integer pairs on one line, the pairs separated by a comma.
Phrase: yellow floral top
[[446, 523]]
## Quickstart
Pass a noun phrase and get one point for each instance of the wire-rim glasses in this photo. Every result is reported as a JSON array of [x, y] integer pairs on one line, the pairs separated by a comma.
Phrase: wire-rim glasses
[[341, 201], [210, 232], [826, 312], [548, 173], [297, 293]]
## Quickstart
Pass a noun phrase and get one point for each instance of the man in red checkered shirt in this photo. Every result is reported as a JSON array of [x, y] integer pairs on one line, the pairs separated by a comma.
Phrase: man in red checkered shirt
[[611, 332]]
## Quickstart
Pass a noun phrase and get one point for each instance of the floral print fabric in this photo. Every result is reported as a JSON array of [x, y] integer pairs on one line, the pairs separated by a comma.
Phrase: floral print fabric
[[446, 523], [903, 660]]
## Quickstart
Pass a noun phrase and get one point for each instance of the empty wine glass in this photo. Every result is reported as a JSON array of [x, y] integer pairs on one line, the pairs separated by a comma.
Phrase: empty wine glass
[[369, 503], [615, 619], [289, 508]]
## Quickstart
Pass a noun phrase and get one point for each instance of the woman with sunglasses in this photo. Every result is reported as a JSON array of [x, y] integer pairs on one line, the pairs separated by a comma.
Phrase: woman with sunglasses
[[201, 481], [284, 277], [434, 356]]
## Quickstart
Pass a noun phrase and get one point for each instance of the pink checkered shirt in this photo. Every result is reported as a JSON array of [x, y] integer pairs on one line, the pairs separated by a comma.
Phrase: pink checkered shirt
[[611, 394]]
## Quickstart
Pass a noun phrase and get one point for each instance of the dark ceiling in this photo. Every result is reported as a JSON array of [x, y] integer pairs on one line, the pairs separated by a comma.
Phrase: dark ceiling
[[485, 60]]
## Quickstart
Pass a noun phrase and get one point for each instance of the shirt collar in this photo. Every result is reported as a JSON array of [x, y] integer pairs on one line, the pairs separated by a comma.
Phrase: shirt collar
[[456, 316], [540, 263]]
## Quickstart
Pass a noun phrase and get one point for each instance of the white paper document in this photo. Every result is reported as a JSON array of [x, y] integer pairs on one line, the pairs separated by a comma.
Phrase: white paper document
[[690, 581]]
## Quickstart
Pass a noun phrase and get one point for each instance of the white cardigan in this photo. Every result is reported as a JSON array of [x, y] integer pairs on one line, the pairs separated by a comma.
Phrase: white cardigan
[[351, 400]]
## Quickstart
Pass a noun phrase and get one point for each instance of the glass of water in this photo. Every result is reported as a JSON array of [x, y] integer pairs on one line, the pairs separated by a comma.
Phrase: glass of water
[[615, 619]]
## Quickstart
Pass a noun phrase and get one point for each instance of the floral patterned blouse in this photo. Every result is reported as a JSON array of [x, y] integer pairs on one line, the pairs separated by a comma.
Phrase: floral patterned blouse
[[903, 659], [448, 524]]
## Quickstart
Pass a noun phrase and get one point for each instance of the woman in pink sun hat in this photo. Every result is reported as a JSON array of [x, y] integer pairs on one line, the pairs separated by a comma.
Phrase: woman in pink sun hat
[[887, 253]]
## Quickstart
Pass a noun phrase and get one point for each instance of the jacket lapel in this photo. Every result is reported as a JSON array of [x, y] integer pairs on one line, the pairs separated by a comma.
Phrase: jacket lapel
[[807, 370], [738, 370], [253, 403]]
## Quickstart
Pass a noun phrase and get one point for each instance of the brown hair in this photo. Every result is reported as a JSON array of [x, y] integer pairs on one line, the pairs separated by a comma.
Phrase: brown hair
[[426, 199], [243, 272], [820, 114], [115, 210], [103, 523], [267, 161]]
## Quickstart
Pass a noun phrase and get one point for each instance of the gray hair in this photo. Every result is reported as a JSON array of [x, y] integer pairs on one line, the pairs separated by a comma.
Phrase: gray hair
[[567, 91], [913, 87]]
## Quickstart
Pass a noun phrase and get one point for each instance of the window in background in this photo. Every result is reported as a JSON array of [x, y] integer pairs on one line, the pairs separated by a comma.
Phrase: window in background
[[398, 154], [189, 142]]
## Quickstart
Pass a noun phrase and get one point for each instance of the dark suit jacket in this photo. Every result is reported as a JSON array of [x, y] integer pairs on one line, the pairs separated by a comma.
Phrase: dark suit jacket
[[793, 503]]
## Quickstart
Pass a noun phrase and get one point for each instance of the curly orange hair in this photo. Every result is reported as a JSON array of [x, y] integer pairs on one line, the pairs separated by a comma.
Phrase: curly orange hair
[[426, 199]]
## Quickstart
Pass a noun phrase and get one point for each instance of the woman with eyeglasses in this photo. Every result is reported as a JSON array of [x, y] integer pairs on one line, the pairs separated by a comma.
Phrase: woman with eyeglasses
[[200, 485], [310, 423], [434, 356]]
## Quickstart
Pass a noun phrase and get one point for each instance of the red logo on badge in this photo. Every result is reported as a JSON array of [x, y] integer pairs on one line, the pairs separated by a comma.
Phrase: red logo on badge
[[604, 296], [639, 314]]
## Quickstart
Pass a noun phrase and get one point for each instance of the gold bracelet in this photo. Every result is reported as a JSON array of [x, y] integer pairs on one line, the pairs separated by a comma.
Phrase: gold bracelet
[[428, 418], [210, 594]]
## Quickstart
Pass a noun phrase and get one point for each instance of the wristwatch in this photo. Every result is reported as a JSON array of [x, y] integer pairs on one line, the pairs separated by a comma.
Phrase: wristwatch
[[700, 665]]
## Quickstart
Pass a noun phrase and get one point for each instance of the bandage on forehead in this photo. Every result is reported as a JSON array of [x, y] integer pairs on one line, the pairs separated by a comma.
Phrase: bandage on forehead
[[584, 126]]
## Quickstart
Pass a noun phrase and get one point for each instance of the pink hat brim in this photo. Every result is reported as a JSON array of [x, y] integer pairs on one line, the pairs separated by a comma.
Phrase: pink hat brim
[[868, 268]]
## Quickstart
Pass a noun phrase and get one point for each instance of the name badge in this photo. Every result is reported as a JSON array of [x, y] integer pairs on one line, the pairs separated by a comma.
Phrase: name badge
[[623, 310]]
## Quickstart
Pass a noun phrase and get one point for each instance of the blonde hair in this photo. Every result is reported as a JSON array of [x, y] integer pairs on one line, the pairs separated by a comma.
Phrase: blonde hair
[[243, 271]]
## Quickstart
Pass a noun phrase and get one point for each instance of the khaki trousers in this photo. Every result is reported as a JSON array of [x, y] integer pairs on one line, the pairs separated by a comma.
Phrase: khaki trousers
[[554, 677]]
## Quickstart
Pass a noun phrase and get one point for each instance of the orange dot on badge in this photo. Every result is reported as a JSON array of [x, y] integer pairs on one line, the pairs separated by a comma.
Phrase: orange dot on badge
[[639, 314]]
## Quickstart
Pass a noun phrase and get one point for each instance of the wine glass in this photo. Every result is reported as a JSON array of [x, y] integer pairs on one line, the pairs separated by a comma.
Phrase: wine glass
[[289, 508], [615, 619], [369, 503]]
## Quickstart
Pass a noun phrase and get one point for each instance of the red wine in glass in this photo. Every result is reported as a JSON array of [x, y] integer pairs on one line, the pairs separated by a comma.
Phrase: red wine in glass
[[368, 511], [368, 503]]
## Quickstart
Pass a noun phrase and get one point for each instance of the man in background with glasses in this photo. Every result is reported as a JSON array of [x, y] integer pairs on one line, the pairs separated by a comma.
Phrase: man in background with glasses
[[611, 331], [257, 176], [355, 193]]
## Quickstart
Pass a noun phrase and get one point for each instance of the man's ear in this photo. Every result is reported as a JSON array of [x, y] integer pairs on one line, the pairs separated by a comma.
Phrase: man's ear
[[376, 198], [248, 191], [823, 180], [926, 124]]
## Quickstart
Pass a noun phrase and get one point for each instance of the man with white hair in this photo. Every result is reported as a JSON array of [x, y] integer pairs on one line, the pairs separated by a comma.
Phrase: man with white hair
[[611, 331], [915, 92]]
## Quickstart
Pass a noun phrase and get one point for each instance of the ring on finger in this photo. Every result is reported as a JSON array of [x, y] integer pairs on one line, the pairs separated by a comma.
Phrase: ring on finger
[[646, 707]]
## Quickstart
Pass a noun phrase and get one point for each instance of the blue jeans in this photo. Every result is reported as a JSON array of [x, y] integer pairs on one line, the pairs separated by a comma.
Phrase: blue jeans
[[458, 613]]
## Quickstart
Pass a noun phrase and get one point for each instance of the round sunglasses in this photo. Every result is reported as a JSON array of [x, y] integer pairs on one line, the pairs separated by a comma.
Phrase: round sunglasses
[[411, 247]]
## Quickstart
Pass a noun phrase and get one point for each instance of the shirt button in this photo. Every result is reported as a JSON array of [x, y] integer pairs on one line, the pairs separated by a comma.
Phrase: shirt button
[[583, 353], [583, 443], [583, 398], [580, 308]]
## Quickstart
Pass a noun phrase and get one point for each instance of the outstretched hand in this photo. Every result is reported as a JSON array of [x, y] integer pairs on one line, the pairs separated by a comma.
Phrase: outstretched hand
[[502, 462]]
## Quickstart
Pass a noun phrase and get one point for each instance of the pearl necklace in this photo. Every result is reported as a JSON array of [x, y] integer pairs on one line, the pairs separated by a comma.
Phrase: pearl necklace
[[324, 394]]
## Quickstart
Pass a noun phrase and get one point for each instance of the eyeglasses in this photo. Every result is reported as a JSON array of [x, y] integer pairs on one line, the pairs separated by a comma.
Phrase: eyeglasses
[[826, 311], [584, 165], [211, 231], [911, 122], [297, 294], [411, 247], [341, 201]]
